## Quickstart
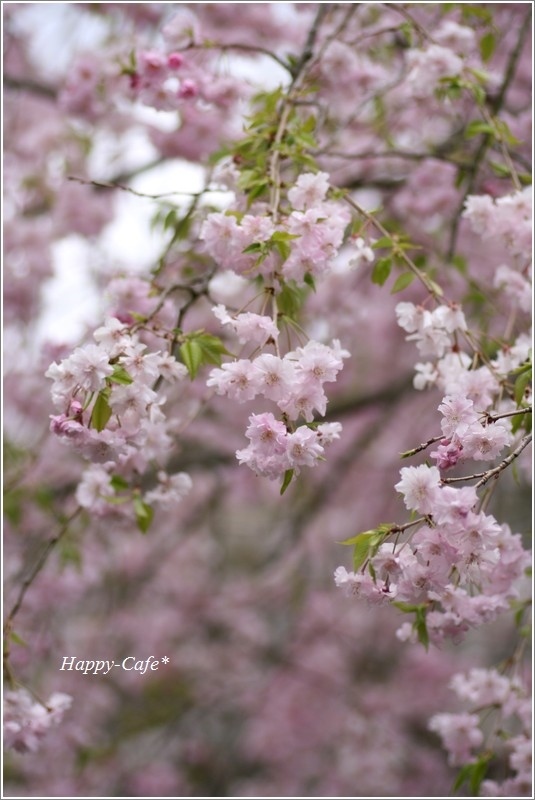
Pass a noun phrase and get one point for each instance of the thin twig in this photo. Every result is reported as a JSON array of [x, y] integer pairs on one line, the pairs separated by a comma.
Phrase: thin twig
[[27, 582], [422, 446], [115, 185], [29, 85], [253, 48], [493, 473], [433, 289], [495, 105], [493, 417]]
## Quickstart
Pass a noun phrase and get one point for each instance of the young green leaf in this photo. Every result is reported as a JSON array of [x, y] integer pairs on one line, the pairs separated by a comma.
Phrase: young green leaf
[[384, 241], [290, 300], [144, 514], [191, 353], [521, 384], [120, 375], [255, 247], [101, 411], [18, 639], [288, 475], [402, 281], [119, 483], [366, 544], [212, 348], [170, 219], [487, 45], [478, 126], [381, 271], [420, 626]]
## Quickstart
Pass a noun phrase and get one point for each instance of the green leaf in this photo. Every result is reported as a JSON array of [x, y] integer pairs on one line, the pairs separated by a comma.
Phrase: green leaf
[[117, 499], [407, 608], [201, 348], [14, 503], [170, 219], [101, 411], [522, 421], [138, 317], [290, 299], [256, 191], [402, 281], [505, 132], [478, 773], [473, 774], [354, 539], [283, 249], [478, 126], [436, 287], [521, 384], [119, 483], [407, 30], [366, 544], [381, 271], [475, 10], [120, 375], [384, 241], [420, 626], [363, 549], [191, 353], [463, 776], [487, 45], [309, 280], [255, 247], [288, 475], [283, 236], [18, 639], [459, 262], [212, 348], [144, 514]]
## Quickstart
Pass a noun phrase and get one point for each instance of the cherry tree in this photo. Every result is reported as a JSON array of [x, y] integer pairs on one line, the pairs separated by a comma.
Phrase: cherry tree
[[266, 515]]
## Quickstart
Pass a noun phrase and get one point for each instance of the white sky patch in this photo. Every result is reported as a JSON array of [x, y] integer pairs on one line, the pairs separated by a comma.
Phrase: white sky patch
[[70, 298], [58, 31]]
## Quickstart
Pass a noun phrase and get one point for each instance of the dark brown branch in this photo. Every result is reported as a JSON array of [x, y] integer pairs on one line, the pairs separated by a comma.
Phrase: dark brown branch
[[116, 185], [493, 473], [29, 85], [25, 585], [494, 105]]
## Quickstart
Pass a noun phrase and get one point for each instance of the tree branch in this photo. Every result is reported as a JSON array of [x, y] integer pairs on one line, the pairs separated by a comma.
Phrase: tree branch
[[493, 473], [29, 85], [494, 105]]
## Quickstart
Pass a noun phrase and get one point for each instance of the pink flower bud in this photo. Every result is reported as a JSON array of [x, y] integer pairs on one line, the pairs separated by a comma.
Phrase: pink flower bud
[[188, 88], [175, 60]]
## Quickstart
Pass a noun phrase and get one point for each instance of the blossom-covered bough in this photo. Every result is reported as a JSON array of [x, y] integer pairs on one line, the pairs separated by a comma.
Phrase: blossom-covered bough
[[391, 157]]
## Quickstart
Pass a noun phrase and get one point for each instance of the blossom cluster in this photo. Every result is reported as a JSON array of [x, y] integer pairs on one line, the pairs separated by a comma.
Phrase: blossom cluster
[[294, 382], [506, 220], [486, 692], [26, 720], [313, 225], [461, 566], [431, 330], [439, 566], [273, 449], [466, 436], [165, 80], [112, 415]]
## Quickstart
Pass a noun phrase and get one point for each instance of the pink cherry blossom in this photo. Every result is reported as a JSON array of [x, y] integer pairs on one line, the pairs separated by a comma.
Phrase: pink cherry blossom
[[460, 734], [419, 487]]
